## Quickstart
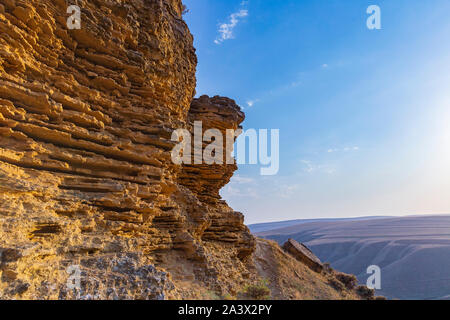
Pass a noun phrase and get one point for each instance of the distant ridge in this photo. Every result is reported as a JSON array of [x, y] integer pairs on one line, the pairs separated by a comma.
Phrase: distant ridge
[[266, 226]]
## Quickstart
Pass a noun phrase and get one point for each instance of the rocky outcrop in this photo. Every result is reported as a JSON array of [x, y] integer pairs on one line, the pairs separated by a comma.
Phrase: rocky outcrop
[[86, 176], [219, 113], [91, 204], [206, 180], [301, 252]]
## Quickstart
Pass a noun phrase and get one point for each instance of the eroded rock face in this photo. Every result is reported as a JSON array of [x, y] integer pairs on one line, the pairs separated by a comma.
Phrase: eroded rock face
[[218, 113], [86, 176], [206, 180]]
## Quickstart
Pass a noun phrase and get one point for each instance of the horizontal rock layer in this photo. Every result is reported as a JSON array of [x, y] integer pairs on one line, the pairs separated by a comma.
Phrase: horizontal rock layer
[[91, 204], [86, 175]]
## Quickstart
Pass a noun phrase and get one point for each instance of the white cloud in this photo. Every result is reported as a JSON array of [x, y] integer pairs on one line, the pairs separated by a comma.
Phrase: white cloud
[[240, 187], [226, 29], [346, 149], [324, 66], [251, 103]]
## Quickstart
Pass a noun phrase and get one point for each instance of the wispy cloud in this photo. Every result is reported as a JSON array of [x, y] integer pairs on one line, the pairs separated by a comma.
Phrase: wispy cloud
[[241, 180], [240, 187], [239, 191], [226, 29], [296, 84], [346, 149], [310, 167], [288, 191]]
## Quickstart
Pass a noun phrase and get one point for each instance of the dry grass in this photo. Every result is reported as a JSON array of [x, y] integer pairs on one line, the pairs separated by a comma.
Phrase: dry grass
[[290, 279], [270, 274], [258, 291], [350, 281]]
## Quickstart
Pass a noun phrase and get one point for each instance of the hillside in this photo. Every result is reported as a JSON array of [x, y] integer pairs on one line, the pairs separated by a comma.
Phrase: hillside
[[268, 226], [412, 252]]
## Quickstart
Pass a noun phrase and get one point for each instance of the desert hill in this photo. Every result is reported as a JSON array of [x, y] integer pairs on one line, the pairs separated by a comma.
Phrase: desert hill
[[412, 252]]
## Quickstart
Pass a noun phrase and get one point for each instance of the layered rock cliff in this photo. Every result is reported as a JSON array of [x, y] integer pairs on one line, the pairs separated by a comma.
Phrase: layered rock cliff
[[88, 189]]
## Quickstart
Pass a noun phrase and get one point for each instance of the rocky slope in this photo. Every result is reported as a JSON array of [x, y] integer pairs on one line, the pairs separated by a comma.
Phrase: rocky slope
[[87, 183], [412, 252]]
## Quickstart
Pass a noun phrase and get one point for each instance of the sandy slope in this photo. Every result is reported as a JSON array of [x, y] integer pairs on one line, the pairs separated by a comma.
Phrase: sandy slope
[[412, 252]]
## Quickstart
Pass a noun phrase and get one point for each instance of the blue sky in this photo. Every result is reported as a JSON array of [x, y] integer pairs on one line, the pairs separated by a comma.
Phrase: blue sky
[[364, 115]]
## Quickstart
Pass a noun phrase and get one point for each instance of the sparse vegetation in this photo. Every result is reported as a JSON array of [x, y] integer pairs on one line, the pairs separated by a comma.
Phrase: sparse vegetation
[[327, 268], [365, 292], [336, 284], [258, 291], [299, 287], [228, 297], [350, 281], [211, 295]]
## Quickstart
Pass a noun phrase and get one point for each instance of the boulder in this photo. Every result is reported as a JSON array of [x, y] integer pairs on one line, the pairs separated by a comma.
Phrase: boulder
[[302, 253]]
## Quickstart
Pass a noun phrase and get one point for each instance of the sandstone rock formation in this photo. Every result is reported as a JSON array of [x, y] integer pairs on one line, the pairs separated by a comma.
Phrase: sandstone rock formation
[[88, 189], [85, 123]]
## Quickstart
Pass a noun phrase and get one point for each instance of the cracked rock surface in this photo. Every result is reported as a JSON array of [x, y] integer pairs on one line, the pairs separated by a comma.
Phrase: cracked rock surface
[[91, 204], [86, 177]]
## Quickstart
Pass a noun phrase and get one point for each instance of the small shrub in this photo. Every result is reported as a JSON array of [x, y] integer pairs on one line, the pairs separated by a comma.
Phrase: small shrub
[[228, 297], [348, 280], [365, 292], [210, 295], [327, 268], [299, 287], [259, 291], [336, 284]]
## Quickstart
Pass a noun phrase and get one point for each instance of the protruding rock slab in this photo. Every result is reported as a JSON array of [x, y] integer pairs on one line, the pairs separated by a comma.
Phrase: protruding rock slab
[[303, 254]]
